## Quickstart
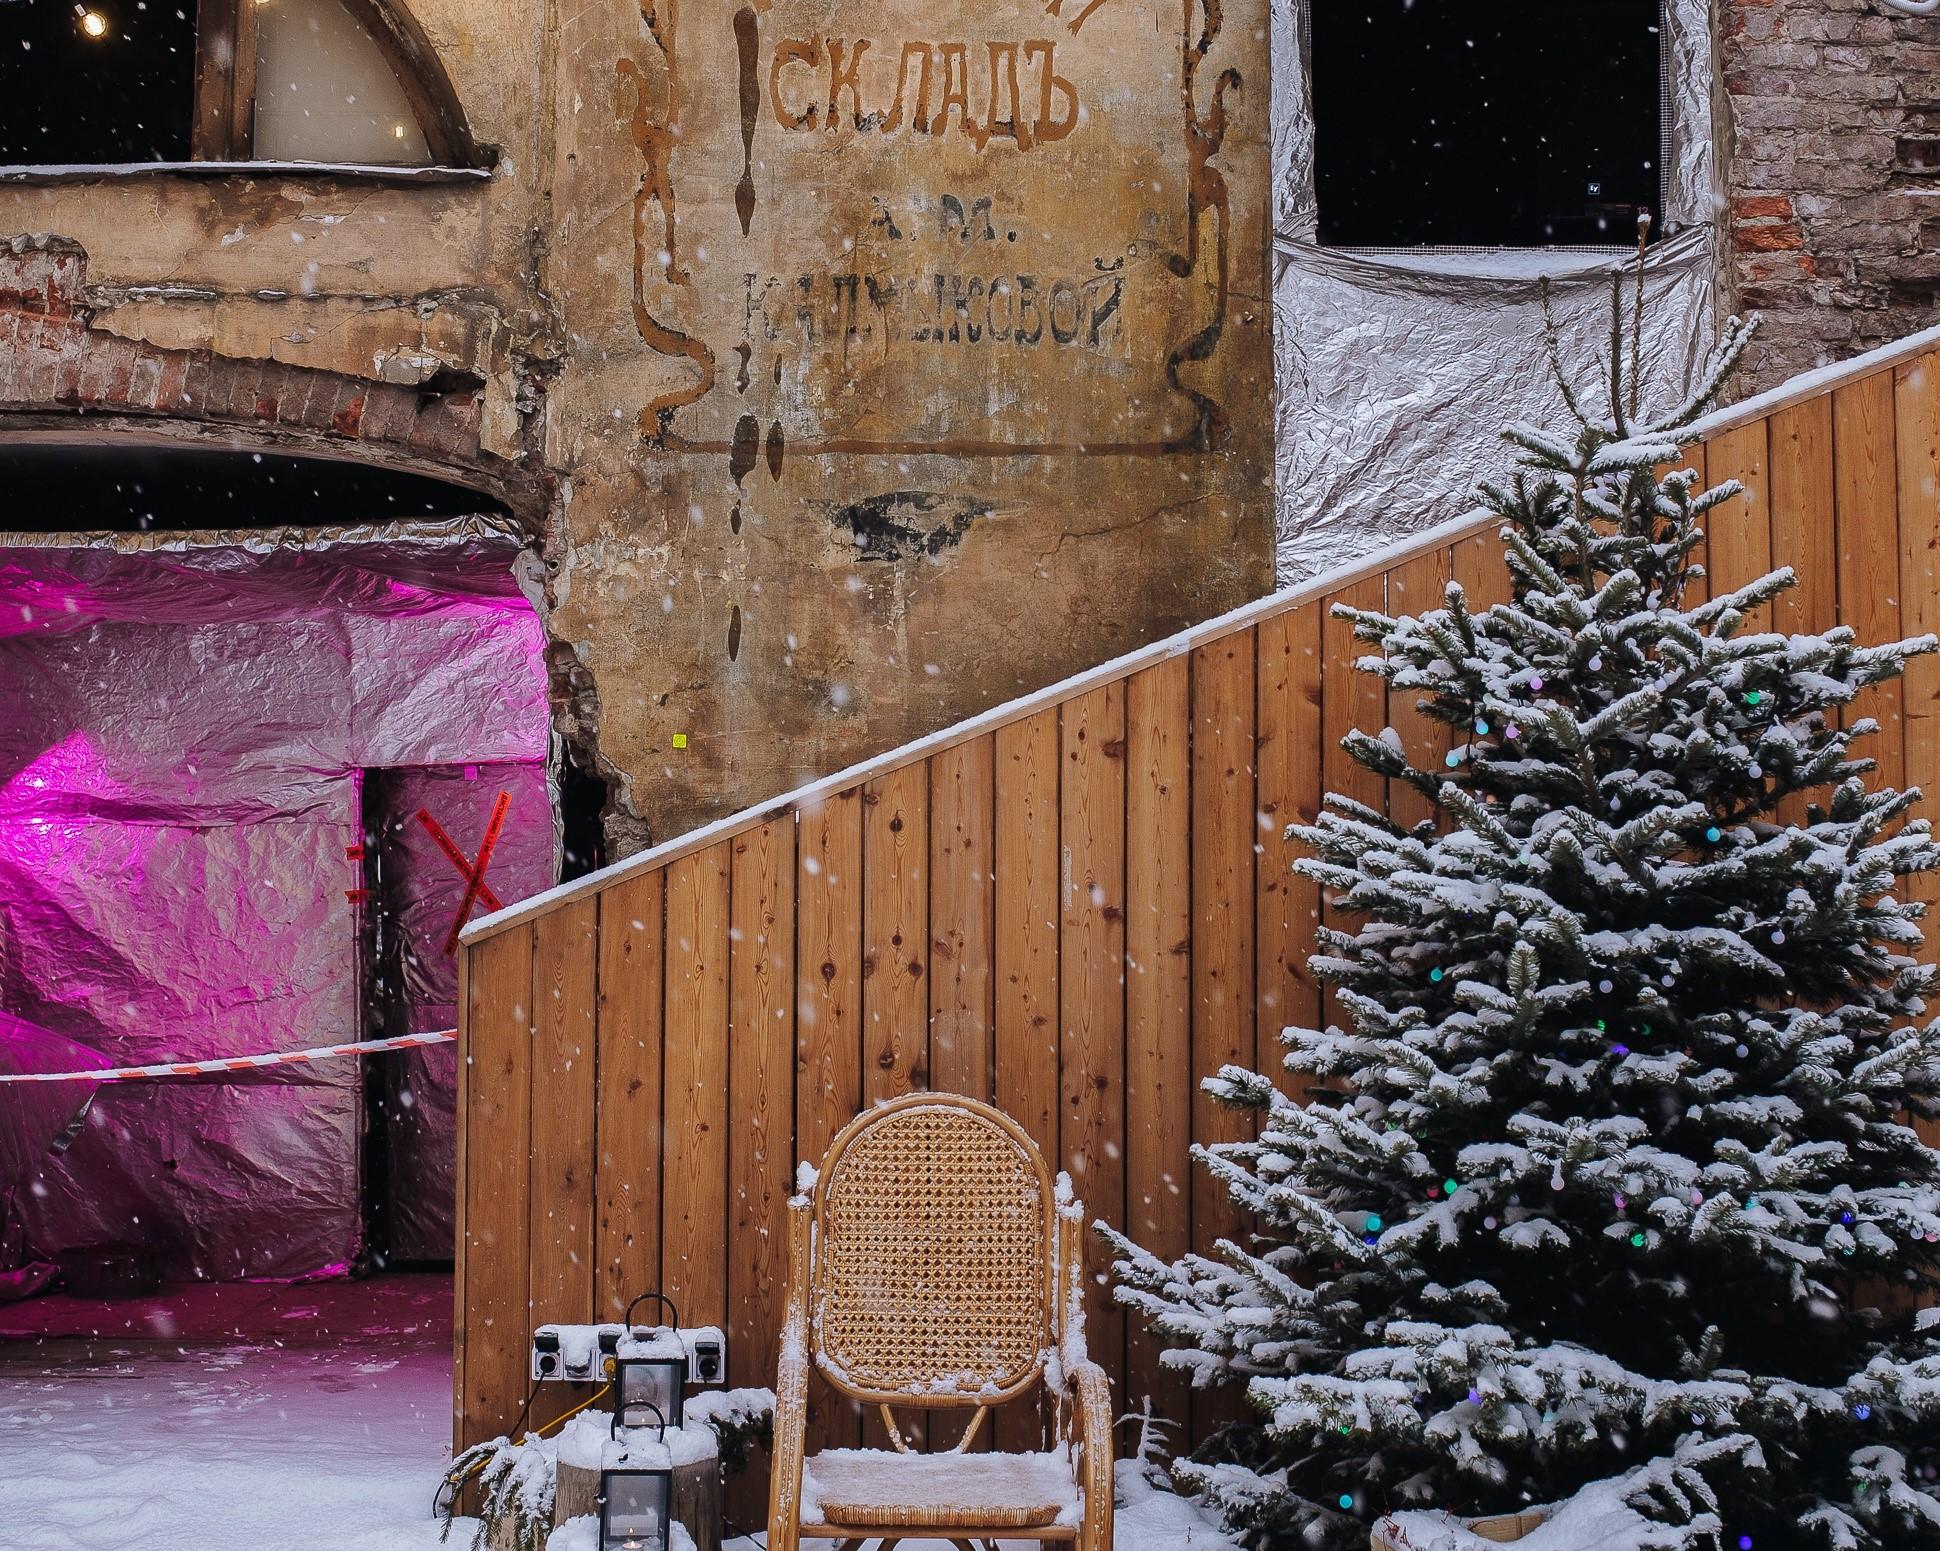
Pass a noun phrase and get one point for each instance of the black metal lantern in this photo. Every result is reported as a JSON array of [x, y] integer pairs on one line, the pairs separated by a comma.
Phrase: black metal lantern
[[655, 1380], [636, 1501]]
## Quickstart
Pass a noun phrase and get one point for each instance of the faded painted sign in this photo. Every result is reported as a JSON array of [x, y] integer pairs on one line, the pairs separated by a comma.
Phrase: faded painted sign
[[941, 235], [942, 367]]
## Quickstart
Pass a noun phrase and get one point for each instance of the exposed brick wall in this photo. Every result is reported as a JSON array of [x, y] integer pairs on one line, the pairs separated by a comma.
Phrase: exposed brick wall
[[1833, 175], [52, 360]]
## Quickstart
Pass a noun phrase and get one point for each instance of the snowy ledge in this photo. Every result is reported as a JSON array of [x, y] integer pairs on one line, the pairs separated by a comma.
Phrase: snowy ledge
[[374, 172]]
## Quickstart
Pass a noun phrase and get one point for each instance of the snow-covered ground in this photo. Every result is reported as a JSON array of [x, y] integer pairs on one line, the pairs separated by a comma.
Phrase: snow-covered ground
[[222, 1448], [298, 1448]]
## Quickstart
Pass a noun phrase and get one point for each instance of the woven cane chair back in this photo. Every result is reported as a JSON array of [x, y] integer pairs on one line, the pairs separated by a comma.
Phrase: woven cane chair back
[[932, 1269]]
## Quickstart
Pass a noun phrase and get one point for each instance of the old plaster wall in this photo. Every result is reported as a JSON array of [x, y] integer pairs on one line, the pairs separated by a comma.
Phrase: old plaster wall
[[921, 356], [869, 366]]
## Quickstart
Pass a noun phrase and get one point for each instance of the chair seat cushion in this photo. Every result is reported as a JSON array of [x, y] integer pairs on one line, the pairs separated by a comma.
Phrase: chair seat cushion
[[881, 1489]]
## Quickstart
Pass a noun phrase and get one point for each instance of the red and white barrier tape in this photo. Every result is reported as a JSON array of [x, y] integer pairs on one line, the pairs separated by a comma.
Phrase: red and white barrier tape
[[237, 1063]]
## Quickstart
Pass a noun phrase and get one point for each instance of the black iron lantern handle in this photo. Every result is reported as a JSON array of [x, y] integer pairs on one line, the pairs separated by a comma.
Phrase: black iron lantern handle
[[662, 1299], [659, 1416]]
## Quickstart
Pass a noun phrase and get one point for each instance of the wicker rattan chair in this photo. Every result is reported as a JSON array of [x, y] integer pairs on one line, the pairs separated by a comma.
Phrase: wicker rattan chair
[[932, 1264]]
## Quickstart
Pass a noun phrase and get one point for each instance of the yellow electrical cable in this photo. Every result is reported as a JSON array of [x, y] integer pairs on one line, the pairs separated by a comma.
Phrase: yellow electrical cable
[[604, 1389], [477, 1465]]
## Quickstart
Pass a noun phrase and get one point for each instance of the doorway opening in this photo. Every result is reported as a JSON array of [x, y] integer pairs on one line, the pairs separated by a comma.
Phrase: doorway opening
[[260, 714]]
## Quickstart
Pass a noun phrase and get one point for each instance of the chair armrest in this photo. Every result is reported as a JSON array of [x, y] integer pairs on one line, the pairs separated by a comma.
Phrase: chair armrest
[[1091, 1392], [791, 1394]]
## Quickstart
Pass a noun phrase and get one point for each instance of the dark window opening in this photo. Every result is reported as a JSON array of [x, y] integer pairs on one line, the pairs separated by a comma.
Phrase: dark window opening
[[346, 83], [97, 82], [582, 802], [55, 487], [1444, 122]]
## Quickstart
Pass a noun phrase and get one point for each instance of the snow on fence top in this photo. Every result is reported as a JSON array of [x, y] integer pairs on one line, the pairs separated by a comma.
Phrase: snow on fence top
[[1795, 390]]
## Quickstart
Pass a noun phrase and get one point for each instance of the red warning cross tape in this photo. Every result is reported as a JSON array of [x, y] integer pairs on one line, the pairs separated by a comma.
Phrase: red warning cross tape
[[477, 890], [237, 1063]]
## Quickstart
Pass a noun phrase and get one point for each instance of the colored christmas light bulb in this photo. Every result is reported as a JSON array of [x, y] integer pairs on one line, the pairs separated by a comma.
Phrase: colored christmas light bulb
[[1373, 1223], [1481, 726], [1346, 1498], [1714, 834], [1596, 664], [1862, 1411], [1454, 759], [1535, 685], [1754, 696], [1450, 1186], [1637, 1240], [1435, 974], [1512, 732]]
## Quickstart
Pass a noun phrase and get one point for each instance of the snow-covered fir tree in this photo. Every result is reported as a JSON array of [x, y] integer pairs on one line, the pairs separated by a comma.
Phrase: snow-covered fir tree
[[1611, 1165]]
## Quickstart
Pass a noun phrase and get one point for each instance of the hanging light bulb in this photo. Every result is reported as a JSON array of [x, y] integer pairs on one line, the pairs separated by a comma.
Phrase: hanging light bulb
[[92, 23]]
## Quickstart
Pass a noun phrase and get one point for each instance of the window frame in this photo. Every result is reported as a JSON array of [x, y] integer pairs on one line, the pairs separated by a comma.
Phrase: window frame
[[222, 116]]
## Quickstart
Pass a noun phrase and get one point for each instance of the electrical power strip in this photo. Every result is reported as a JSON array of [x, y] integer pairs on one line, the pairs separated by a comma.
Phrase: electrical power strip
[[577, 1354]]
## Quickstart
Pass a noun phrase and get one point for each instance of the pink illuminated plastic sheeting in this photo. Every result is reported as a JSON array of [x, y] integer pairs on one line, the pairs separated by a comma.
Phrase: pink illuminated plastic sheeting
[[183, 734]]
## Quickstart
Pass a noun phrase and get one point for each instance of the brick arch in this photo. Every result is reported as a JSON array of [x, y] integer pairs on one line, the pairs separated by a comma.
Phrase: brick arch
[[56, 368]]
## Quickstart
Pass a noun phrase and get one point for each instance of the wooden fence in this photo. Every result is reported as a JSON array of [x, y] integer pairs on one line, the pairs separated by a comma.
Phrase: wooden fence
[[1075, 906]]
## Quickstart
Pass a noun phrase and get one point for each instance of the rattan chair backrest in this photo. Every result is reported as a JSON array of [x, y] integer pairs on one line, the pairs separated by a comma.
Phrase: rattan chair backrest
[[932, 1269]]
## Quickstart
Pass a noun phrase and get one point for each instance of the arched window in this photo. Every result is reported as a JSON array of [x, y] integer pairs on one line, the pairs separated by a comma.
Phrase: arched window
[[339, 82]]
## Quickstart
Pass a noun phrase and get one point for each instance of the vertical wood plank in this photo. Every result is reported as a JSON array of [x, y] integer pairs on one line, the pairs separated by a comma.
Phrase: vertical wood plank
[[1415, 587], [1159, 1080], [1802, 502], [1698, 588], [564, 991], [962, 894], [1026, 876], [1741, 529], [1916, 434], [1481, 568], [1223, 827], [461, 1164], [1027, 926], [694, 1217], [1287, 906], [498, 1090], [1349, 699], [1866, 518], [632, 922], [761, 1104], [828, 1018], [1091, 982], [962, 835], [1353, 700], [895, 933], [1803, 535]]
